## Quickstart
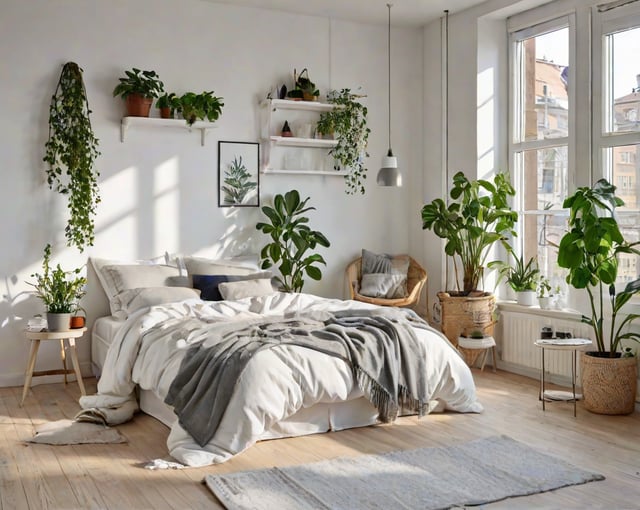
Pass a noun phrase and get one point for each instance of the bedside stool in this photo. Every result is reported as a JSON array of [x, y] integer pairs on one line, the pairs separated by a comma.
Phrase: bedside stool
[[70, 337], [472, 348]]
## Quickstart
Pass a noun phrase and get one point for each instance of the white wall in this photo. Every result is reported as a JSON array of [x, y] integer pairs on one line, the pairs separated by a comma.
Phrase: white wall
[[159, 187]]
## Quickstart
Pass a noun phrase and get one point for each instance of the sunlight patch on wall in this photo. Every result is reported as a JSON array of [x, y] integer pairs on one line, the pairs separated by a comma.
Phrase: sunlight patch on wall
[[486, 123], [166, 207]]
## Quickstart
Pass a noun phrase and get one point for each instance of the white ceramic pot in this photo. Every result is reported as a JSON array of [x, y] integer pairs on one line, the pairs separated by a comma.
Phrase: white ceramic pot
[[526, 297], [545, 302]]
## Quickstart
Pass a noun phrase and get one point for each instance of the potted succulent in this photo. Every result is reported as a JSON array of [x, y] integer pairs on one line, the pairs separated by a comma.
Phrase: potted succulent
[[590, 250], [348, 124], [200, 106], [291, 238], [545, 298], [304, 89], [168, 104], [70, 154], [478, 216], [59, 290], [522, 277], [138, 89]]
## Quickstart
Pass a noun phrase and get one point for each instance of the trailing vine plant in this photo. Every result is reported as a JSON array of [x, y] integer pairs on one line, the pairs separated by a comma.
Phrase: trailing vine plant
[[348, 123], [70, 154]]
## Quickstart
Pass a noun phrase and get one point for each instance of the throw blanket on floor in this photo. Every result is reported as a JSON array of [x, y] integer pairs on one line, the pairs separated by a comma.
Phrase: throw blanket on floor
[[381, 347]]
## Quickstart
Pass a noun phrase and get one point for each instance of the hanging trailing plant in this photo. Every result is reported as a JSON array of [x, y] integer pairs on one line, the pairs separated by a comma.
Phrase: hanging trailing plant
[[348, 123], [70, 154]]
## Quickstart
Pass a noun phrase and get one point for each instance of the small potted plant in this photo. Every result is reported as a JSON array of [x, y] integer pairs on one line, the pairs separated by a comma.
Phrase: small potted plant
[[168, 104], [545, 297], [60, 291], [138, 89], [522, 277], [304, 89], [203, 106]]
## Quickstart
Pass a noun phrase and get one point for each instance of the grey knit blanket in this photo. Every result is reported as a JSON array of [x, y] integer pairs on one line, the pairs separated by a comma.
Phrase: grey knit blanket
[[382, 349]]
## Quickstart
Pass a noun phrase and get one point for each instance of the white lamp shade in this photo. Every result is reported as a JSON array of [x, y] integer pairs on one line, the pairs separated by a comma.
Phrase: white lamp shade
[[389, 175]]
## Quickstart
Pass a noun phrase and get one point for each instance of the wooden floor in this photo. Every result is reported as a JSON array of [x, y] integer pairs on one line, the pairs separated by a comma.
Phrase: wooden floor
[[110, 476]]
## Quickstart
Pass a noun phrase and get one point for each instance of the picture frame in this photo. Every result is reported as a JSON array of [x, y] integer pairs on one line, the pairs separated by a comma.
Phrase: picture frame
[[238, 174]]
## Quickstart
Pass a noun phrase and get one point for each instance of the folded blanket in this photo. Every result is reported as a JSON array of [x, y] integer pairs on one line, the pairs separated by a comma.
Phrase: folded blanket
[[387, 360]]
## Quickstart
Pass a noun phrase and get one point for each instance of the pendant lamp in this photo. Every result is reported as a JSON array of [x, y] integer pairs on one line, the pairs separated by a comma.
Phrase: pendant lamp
[[389, 175]]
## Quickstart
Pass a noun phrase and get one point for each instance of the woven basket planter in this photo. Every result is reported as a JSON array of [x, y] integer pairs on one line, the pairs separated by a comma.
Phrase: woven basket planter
[[462, 315], [609, 384]]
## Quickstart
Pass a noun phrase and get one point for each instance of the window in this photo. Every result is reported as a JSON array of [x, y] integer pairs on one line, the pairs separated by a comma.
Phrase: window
[[555, 146], [541, 120]]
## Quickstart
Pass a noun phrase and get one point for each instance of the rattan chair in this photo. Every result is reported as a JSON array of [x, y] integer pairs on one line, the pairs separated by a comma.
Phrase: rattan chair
[[416, 279]]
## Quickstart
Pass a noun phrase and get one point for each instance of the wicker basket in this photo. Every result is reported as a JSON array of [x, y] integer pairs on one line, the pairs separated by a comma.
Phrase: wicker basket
[[460, 316], [609, 384]]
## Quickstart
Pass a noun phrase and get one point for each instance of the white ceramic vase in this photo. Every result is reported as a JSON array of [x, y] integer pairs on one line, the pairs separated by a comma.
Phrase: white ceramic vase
[[526, 297]]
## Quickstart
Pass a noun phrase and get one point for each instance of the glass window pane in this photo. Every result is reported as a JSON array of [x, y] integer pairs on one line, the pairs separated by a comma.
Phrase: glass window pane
[[624, 81], [549, 229], [546, 180], [545, 78]]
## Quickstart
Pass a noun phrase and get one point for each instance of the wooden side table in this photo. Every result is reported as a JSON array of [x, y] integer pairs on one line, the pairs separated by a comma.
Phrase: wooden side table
[[562, 344], [70, 338]]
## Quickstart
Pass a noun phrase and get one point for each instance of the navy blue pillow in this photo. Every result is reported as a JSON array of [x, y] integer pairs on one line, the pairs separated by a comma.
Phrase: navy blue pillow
[[207, 284]]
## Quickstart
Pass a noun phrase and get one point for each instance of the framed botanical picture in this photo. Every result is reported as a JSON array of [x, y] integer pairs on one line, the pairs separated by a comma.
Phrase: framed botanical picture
[[238, 174]]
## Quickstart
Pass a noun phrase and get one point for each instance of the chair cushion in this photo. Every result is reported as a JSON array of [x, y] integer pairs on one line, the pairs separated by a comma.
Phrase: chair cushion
[[382, 285]]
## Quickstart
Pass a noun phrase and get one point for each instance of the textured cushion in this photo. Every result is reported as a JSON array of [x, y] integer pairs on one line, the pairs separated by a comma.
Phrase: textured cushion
[[381, 285], [208, 283], [390, 264], [130, 300], [247, 288]]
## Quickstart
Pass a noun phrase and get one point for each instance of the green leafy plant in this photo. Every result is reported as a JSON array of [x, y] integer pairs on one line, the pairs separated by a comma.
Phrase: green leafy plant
[[70, 154], [59, 290], [237, 182], [291, 238], [544, 287], [348, 122], [168, 100], [590, 251], [477, 217], [200, 106], [144, 83], [521, 276], [303, 87]]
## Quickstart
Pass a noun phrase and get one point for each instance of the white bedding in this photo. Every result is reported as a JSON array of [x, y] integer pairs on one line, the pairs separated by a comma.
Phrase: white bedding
[[278, 383]]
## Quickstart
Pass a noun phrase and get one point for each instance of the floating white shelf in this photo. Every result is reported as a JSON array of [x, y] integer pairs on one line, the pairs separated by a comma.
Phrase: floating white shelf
[[290, 141], [287, 104], [336, 173], [154, 122]]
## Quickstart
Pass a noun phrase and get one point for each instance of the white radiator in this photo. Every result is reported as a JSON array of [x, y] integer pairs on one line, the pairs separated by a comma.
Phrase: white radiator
[[515, 333]]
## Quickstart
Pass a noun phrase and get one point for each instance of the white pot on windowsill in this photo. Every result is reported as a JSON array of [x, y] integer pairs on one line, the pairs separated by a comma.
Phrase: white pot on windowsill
[[546, 302], [526, 297]]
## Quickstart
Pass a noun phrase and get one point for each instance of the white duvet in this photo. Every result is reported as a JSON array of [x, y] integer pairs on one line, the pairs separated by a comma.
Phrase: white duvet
[[277, 383]]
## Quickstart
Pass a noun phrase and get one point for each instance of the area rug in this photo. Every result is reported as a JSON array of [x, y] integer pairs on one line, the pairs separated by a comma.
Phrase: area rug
[[472, 473], [64, 432]]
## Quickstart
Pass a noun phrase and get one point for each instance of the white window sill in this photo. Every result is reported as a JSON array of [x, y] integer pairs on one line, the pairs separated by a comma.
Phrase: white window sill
[[565, 313]]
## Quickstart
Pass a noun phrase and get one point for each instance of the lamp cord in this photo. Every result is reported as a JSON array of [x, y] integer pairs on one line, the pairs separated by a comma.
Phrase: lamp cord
[[389, 73]]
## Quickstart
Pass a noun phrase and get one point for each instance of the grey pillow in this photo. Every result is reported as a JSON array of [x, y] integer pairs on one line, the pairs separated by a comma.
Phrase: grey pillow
[[130, 300], [381, 285], [388, 264]]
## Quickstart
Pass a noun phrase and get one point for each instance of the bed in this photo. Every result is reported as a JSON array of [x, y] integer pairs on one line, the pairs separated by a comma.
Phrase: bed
[[138, 346]]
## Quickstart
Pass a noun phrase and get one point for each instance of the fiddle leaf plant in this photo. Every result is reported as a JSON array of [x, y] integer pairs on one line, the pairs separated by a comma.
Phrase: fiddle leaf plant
[[291, 238], [477, 217], [70, 154], [590, 250], [348, 123]]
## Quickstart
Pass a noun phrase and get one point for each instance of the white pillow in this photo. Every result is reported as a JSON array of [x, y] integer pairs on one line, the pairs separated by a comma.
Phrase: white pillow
[[130, 300], [246, 288], [383, 285]]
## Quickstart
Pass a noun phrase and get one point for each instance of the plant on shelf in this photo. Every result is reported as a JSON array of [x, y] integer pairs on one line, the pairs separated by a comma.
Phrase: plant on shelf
[[238, 186], [200, 106], [138, 89], [168, 104], [348, 123], [303, 87], [477, 218], [590, 250], [291, 238], [522, 277], [59, 290], [70, 154]]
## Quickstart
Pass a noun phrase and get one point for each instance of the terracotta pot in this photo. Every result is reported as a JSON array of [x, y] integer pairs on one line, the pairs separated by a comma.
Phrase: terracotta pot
[[165, 113], [138, 106], [609, 384], [77, 322]]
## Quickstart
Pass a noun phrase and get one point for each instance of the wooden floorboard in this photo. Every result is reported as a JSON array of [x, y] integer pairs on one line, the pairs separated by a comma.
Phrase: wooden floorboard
[[111, 477]]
